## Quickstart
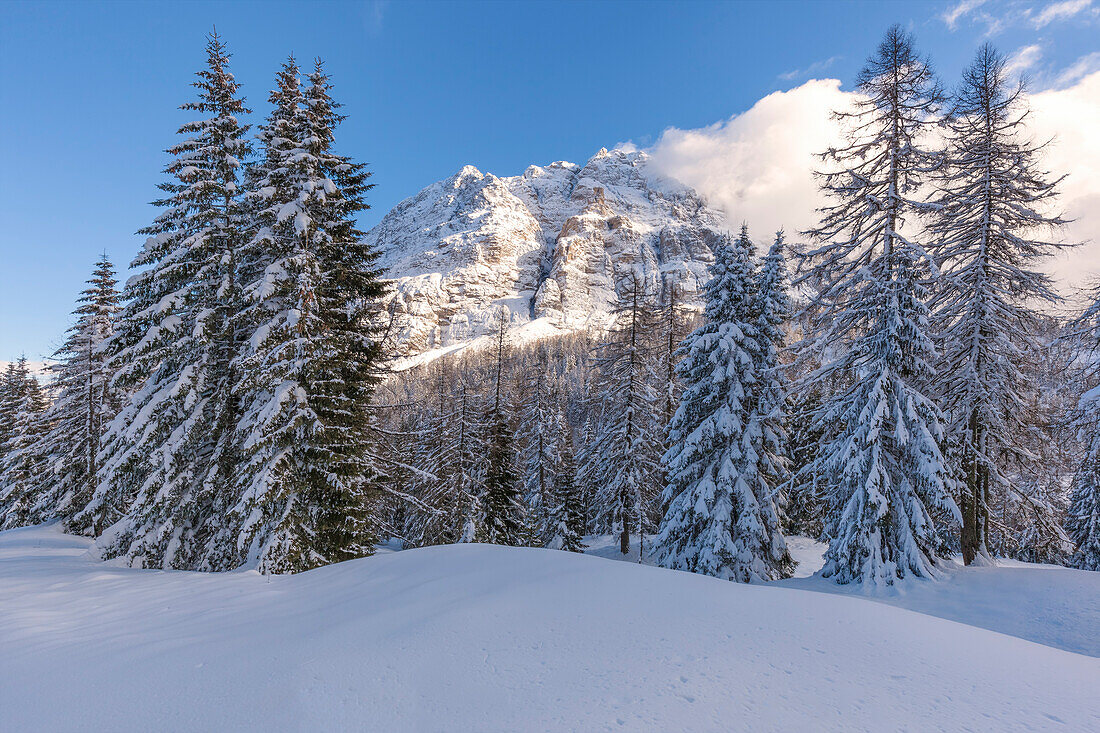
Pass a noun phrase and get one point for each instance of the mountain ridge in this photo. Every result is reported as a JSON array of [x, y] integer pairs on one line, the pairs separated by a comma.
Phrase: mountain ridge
[[549, 244]]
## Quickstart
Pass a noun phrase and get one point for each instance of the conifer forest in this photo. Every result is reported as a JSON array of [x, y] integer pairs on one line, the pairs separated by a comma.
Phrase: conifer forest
[[902, 385], [892, 381]]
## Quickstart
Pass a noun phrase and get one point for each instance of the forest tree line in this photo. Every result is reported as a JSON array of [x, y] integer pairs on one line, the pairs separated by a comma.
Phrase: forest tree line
[[894, 385]]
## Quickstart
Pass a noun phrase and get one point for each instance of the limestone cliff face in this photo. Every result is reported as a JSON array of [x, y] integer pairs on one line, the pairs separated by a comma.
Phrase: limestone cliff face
[[550, 245]]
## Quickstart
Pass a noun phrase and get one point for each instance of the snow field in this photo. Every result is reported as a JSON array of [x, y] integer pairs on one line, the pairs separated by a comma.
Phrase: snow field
[[477, 637]]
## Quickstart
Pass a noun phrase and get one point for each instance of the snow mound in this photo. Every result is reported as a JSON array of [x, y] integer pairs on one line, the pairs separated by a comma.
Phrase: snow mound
[[1048, 604], [475, 637]]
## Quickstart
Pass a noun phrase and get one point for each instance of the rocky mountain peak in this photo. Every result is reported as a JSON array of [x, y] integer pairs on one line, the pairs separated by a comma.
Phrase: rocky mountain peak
[[549, 245]]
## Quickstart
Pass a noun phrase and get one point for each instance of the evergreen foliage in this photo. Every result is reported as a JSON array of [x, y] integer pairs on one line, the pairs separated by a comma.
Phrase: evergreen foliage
[[169, 452], [625, 451], [986, 236], [804, 513], [880, 459], [84, 402], [542, 430], [722, 517], [773, 312], [1083, 516], [22, 460], [566, 530], [500, 512], [310, 362], [235, 410]]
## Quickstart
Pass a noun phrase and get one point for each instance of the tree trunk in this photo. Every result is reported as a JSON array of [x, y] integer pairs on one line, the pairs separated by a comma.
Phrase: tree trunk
[[969, 506], [975, 501]]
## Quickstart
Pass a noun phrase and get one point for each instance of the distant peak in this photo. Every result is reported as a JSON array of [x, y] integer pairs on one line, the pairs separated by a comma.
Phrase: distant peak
[[467, 172], [618, 155]]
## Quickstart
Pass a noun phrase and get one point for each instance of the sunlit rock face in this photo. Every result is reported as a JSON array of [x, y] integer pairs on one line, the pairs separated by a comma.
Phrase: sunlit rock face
[[550, 245]]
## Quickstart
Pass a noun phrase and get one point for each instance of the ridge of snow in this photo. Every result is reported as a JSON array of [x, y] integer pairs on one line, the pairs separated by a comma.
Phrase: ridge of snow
[[479, 637]]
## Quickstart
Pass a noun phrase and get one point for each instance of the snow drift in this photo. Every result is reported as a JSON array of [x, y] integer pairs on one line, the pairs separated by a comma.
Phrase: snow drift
[[475, 637]]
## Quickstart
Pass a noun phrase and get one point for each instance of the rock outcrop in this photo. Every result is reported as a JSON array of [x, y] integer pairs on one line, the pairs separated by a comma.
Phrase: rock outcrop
[[550, 245]]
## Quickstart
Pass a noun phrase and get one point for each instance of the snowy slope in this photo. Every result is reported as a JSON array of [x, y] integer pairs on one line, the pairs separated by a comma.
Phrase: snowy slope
[[484, 638], [1049, 604], [549, 245]]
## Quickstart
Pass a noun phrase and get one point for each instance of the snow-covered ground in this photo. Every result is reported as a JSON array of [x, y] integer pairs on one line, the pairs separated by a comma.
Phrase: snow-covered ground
[[1048, 604], [484, 638]]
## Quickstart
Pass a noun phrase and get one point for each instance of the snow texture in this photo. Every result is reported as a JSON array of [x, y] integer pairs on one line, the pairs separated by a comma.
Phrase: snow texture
[[476, 637], [549, 245]]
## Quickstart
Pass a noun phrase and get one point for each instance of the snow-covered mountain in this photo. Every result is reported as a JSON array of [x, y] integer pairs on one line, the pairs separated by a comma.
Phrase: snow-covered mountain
[[550, 245]]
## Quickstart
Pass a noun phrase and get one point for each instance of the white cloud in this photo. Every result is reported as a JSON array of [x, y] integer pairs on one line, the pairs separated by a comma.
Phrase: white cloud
[[1059, 11], [757, 165], [960, 10], [1070, 117], [815, 68], [1024, 59], [975, 12], [1078, 70]]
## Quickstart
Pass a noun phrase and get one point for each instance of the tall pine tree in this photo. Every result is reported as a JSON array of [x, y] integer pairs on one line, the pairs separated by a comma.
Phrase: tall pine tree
[[309, 484], [542, 430], [987, 237], [626, 449], [722, 517], [500, 518], [880, 457], [773, 311], [22, 461], [84, 403], [566, 530], [169, 453], [1083, 517]]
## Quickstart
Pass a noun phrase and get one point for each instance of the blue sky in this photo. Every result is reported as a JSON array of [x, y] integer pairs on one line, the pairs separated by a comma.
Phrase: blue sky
[[90, 90]]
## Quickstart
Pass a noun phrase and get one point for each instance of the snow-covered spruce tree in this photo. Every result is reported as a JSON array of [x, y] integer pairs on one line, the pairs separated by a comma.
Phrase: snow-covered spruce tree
[[541, 432], [500, 516], [473, 433], [566, 530], [625, 452], [308, 482], [721, 517], [986, 236], [880, 459], [805, 509], [770, 406], [22, 462], [84, 403], [168, 455], [12, 385], [1083, 517], [451, 446]]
